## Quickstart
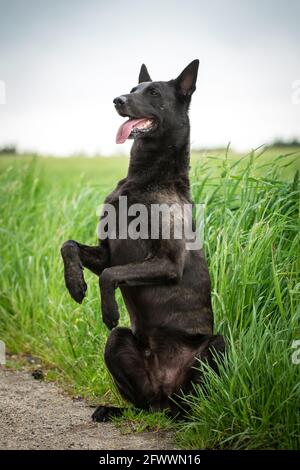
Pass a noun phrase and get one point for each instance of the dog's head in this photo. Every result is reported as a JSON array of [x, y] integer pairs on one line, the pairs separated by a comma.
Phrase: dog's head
[[156, 108]]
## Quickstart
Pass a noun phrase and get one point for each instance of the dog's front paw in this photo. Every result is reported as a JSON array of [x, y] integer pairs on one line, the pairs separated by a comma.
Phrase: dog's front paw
[[75, 282], [73, 271], [110, 314]]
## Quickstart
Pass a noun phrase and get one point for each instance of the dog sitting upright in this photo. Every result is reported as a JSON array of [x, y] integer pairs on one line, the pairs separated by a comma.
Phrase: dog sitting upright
[[166, 288]]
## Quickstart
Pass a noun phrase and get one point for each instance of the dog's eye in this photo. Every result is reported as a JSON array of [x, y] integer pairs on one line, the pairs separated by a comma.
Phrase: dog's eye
[[153, 92]]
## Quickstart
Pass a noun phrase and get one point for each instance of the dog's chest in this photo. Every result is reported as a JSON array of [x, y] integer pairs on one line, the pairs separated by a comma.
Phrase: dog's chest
[[152, 213]]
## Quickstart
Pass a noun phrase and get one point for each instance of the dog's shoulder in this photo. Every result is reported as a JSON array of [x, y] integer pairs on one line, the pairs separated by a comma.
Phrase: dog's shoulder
[[113, 197], [167, 195]]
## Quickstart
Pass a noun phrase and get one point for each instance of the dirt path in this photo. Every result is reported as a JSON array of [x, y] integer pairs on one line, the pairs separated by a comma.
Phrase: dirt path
[[37, 415]]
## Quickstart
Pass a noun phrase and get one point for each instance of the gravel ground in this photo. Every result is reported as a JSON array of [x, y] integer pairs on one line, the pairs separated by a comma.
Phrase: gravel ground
[[37, 415]]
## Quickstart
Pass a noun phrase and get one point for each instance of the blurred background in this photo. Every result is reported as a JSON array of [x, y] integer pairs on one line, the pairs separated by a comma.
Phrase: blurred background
[[62, 63]]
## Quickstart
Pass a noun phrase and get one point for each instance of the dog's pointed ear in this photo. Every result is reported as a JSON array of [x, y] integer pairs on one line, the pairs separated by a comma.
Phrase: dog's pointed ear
[[186, 82], [144, 74]]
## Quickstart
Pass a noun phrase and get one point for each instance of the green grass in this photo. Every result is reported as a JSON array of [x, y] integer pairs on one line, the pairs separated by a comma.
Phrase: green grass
[[252, 246]]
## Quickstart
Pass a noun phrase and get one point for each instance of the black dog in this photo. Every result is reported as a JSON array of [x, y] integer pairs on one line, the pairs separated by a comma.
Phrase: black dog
[[166, 287]]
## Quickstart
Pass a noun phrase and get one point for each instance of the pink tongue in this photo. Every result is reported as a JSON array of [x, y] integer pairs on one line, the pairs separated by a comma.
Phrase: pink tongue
[[126, 128]]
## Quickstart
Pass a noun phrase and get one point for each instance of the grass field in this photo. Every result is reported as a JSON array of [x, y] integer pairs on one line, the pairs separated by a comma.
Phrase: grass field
[[252, 246]]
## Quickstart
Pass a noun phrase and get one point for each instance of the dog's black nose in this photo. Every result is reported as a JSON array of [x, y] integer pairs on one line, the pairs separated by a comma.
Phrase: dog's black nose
[[119, 101]]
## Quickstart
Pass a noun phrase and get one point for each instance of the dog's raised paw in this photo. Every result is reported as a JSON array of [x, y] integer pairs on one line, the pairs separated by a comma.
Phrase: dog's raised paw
[[75, 283], [110, 314]]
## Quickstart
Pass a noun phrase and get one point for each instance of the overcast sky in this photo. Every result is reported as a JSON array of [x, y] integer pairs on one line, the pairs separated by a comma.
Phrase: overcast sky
[[63, 62]]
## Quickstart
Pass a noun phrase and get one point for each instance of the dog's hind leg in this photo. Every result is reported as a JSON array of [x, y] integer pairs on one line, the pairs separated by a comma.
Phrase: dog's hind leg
[[76, 257], [105, 413], [211, 351], [124, 359]]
